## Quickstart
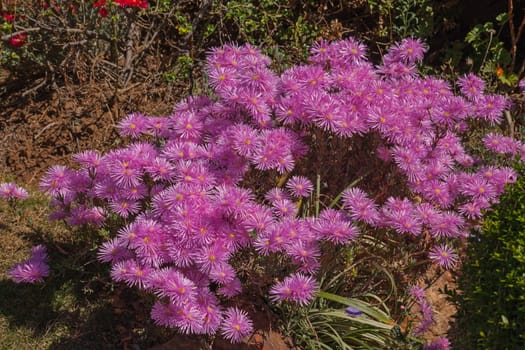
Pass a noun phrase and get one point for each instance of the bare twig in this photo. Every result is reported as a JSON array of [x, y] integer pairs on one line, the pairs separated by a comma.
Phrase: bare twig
[[89, 33], [491, 36], [44, 129], [514, 36], [75, 43], [127, 70], [512, 33], [18, 32], [35, 88], [510, 121]]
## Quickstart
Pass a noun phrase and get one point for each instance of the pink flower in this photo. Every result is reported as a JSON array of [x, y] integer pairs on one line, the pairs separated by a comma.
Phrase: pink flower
[[408, 50], [133, 125], [32, 270], [444, 256], [131, 272], [113, 251], [440, 343], [360, 206], [491, 107], [10, 190], [297, 288], [335, 227], [300, 186], [471, 85], [501, 144], [57, 181], [236, 325]]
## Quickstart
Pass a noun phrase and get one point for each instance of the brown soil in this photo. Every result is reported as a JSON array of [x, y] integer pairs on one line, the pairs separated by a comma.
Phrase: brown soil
[[443, 309], [46, 130]]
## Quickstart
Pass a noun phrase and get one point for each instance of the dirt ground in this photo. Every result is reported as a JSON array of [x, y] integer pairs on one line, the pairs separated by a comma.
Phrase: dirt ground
[[38, 132]]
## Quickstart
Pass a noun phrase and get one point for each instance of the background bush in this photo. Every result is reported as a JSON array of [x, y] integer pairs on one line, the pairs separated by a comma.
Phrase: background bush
[[491, 306]]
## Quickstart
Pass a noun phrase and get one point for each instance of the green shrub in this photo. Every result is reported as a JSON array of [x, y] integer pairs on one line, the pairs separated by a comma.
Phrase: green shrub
[[491, 306]]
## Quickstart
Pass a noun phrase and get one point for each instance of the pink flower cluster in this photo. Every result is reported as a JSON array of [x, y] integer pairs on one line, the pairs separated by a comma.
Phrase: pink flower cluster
[[425, 309], [32, 270], [10, 190], [177, 187], [440, 343]]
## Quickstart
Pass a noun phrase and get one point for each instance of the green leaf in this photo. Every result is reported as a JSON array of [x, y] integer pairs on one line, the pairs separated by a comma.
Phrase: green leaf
[[502, 18], [473, 35], [360, 319], [358, 304], [505, 320]]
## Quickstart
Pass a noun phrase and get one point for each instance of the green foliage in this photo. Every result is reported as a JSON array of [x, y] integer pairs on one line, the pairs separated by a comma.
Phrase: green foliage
[[326, 325], [404, 18], [491, 307], [181, 71], [490, 56], [269, 24]]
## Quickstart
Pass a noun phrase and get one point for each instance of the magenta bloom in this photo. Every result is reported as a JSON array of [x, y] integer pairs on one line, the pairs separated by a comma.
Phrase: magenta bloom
[[417, 292], [408, 51], [172, 284], [440, 343], [236, 325], [427, 317], [88, 158], [320, 52], [276, 194], [304, 254], [32, 270], [10, 190], [183, 200], [162, 315], [444, 256], [501, 144], [82, 215], [335, 227], [471, 85], [131, 272], [245, 139], [133, 125], [491, 107], [113, 251], [57, 181], [231, 288], [298, 288], [426, 313], [285, 208], [472, 210], [521, 85], [300, 186]]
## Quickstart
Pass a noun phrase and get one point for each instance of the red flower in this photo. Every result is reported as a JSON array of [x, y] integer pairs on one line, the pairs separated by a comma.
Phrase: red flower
[[99, 3], [18, 40], [8, 17], [132, 3], [103, 12], [73, 8]]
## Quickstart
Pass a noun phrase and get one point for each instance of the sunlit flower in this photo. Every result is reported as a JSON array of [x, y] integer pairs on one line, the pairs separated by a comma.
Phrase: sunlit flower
[[444, 256], [236, 325]]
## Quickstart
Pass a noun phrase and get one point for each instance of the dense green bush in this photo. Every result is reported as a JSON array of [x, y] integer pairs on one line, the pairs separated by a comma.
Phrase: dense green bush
[[491, 306]]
